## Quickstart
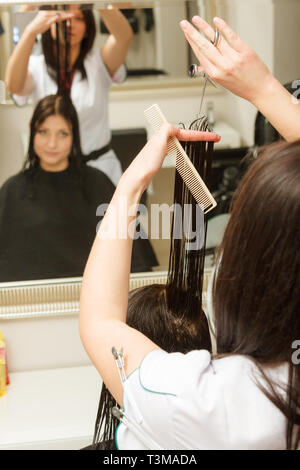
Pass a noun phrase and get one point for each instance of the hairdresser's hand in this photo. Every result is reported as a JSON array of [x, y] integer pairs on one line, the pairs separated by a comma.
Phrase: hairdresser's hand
[[150, 159], [45, 18], [232, 64]]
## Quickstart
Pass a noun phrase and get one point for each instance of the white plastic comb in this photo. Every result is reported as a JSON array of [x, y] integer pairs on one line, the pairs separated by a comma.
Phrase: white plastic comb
[[184, 166]]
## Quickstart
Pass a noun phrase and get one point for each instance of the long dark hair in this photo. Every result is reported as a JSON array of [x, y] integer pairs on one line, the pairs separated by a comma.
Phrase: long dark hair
[[50, 47], [148, 313], [186, 266], [256, 297]]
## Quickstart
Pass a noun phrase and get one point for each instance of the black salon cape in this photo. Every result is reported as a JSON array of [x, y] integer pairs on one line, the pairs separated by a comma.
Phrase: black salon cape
[[48, 225]]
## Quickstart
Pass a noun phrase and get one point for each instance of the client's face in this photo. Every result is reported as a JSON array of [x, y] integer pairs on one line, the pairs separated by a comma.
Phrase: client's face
[[53, 143]]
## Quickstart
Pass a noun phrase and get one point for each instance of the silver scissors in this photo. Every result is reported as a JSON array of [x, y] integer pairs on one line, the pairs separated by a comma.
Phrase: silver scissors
[[193, 71]]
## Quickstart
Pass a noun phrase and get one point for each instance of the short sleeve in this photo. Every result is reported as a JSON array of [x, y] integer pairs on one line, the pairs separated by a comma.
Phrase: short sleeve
[[120, 75], [95, 58]]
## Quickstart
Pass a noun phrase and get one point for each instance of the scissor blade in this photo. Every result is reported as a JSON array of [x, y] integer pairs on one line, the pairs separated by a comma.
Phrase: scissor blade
[[202, 97]]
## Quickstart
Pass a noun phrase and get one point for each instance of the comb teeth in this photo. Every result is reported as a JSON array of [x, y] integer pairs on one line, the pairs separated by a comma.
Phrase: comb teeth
[[182, 162]]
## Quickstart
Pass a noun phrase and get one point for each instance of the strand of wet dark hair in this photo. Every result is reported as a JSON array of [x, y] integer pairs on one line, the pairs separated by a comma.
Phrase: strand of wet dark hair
[[67, 76], [186, 267], [62, 81], [58, 75], [106, 424]]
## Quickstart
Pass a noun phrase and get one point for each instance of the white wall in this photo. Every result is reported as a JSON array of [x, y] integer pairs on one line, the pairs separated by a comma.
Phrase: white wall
[[286, 40], [43, 343]]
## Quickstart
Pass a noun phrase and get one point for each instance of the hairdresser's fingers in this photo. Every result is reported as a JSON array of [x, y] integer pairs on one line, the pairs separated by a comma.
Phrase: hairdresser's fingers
[[204, 27], [206, 65], [209, 32], [232, 37], [63, 16], [196, 136], [44, 19], [204, 49], [150, 159]]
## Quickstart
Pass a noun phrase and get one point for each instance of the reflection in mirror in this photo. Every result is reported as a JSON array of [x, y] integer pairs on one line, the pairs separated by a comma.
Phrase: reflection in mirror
[[51, 223], [154, 30]]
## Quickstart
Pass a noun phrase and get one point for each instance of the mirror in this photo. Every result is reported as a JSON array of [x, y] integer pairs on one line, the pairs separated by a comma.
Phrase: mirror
[[175, 91], [158, 54], [155, 27]]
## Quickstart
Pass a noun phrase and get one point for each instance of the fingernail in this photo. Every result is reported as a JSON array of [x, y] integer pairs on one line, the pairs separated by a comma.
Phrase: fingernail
[[197, 19], [217, 20], [184, 24]]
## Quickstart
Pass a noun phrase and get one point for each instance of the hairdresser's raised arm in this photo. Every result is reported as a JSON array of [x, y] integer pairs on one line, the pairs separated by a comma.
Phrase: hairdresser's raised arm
[[234, 65], [104, 293], [17, 77], [116, 47]]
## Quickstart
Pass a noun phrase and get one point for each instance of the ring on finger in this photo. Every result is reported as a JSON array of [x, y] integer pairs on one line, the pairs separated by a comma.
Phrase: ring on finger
[[216, 40], [194, 72]]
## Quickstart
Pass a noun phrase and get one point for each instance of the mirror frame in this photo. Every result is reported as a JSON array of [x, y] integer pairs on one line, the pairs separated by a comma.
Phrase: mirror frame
[[60, 297], [97, 4]]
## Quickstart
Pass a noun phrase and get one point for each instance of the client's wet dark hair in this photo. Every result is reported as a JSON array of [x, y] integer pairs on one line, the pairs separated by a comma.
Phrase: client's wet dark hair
[[170, 314]]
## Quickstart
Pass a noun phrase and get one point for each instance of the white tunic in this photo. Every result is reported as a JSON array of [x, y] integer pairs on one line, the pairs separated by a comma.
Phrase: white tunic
[[192, 402], [90, 98]]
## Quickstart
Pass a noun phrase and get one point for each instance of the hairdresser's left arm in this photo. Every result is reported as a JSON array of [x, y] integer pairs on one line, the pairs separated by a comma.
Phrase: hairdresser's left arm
[[105, 286], [115, 49]]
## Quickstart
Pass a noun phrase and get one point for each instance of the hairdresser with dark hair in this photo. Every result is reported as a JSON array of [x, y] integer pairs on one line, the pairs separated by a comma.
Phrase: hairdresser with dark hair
[[234, 65], [248, 396], [86, 72]]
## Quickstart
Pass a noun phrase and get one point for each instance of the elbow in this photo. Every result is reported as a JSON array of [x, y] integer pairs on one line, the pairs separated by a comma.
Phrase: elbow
[[130, 34], [10, 86], [7, 82]]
